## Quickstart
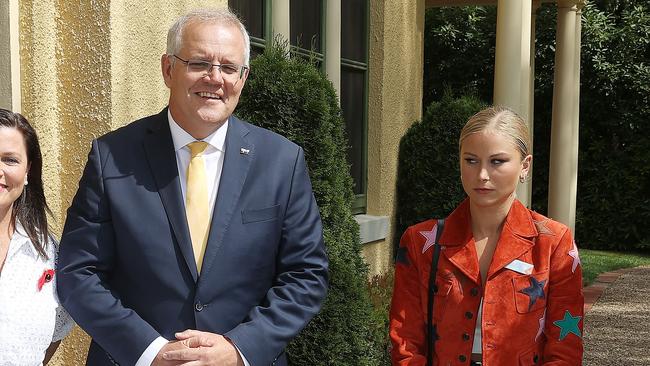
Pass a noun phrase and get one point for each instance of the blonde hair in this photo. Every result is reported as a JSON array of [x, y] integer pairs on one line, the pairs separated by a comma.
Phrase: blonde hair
[[501, 120], [224, 16]]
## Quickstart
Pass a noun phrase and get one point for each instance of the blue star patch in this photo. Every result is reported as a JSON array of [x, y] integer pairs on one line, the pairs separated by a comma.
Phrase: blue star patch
[[535, 291], [569, 324], [402, 256]]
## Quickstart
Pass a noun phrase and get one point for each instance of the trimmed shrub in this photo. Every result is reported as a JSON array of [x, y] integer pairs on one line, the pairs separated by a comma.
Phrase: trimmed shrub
[[292, 97], [428, 177]]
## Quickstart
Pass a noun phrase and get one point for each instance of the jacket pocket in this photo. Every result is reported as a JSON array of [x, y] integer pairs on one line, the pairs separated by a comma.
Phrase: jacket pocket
[[531, 357], [261, 214], [530, 292], [443, 283], [440, 295]]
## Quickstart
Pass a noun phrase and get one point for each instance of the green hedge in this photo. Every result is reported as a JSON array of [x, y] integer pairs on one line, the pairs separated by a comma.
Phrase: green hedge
[[293, 98], [428, 178]]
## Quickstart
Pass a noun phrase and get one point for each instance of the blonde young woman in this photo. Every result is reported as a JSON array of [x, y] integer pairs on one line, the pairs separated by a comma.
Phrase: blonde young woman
[[508, 284], [32, 322]]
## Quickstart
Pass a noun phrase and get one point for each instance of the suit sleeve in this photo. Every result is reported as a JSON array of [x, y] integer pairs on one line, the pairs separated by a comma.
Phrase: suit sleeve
[[86, 263], [565, 306], [407, 327], [301, 277]]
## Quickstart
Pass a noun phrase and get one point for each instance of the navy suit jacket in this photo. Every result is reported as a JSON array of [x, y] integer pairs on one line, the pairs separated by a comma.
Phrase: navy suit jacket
[[126, 269]]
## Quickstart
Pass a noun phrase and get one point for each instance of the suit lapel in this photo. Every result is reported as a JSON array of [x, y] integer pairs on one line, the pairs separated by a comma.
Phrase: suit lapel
[[161, 156], [237, 161]]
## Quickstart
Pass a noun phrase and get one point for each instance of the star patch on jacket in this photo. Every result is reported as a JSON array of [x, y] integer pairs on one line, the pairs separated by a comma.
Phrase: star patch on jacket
[[569, 324], [573, 253], [430, 237], [542, 323], [535, 291], [542, 228]]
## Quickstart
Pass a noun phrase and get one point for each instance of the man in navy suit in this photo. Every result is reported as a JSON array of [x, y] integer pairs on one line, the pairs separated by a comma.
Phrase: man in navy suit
[[132, 270]]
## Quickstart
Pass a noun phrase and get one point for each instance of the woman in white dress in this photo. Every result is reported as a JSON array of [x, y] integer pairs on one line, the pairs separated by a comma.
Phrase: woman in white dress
[[32, 322]]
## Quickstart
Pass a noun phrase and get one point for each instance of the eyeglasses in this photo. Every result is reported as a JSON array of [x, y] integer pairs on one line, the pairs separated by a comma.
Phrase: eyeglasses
[[204, 68]]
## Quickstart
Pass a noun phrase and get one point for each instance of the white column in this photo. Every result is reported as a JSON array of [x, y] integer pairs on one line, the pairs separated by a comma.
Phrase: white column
[[531, 97], [9, 57], [280, 11], [575, 121], [525, 190], [512, 70], [563, 165], [333, 44]]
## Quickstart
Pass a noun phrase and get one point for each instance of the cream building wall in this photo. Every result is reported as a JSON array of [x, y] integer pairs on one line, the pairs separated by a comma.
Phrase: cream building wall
[[394, 103], [89, 67]]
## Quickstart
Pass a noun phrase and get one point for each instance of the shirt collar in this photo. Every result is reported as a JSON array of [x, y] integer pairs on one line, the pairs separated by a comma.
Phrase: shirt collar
[[181, 138], [20, 239]]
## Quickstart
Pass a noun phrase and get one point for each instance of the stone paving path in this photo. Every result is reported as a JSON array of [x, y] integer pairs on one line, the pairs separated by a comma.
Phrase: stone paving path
[[617, 325]]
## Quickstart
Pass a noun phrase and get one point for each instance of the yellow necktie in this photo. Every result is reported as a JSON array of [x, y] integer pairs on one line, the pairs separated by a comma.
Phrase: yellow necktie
[[197, 211]]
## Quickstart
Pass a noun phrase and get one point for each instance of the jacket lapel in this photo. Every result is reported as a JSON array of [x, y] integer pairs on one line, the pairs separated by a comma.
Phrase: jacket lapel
[[458, 242], [237, 161], [161, 156], [516, 238]]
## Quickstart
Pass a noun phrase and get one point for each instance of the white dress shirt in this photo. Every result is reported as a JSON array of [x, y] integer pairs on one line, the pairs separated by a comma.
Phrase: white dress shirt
[[213, 157], [30, 318]]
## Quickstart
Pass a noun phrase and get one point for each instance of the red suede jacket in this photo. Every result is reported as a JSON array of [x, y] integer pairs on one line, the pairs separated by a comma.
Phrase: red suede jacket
[[532, 315]]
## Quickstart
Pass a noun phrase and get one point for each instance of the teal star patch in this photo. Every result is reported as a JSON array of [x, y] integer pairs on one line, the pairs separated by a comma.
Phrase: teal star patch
[[568, 325]]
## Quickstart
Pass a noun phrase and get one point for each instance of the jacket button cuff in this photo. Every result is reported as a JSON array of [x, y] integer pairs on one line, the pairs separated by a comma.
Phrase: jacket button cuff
[[462, 358]]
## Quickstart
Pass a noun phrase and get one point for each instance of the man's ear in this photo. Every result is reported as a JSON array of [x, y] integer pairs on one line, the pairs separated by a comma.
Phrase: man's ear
[[244, 76], [166, 65]]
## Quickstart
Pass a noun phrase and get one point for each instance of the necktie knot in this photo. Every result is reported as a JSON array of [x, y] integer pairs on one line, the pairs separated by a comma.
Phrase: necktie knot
[[197, 148]]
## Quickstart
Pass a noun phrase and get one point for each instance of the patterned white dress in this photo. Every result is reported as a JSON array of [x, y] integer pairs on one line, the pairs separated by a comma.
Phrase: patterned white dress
[[30, 314]]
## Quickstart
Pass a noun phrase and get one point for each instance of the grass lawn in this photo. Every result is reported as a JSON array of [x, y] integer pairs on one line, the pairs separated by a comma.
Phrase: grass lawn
[[595, 262]]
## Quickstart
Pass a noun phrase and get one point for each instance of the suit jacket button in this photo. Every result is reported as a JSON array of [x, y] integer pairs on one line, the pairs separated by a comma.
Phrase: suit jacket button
[[466, 337], [474, 291], [462, 358], [198, 306], [469, 315]]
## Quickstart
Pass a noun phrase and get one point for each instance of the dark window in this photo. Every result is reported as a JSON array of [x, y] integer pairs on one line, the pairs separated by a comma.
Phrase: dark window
[[253, 13], [354, 33], [306, 19], [353, 85], [354, 94]]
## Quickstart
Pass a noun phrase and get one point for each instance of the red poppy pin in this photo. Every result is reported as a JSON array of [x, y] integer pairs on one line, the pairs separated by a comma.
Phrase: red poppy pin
[[46, 277]]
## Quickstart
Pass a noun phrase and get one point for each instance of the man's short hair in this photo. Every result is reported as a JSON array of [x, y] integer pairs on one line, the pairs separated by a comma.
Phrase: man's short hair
[[217, 16]]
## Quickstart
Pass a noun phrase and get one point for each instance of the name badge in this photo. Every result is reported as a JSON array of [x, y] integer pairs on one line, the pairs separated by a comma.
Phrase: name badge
[[520, 267]]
